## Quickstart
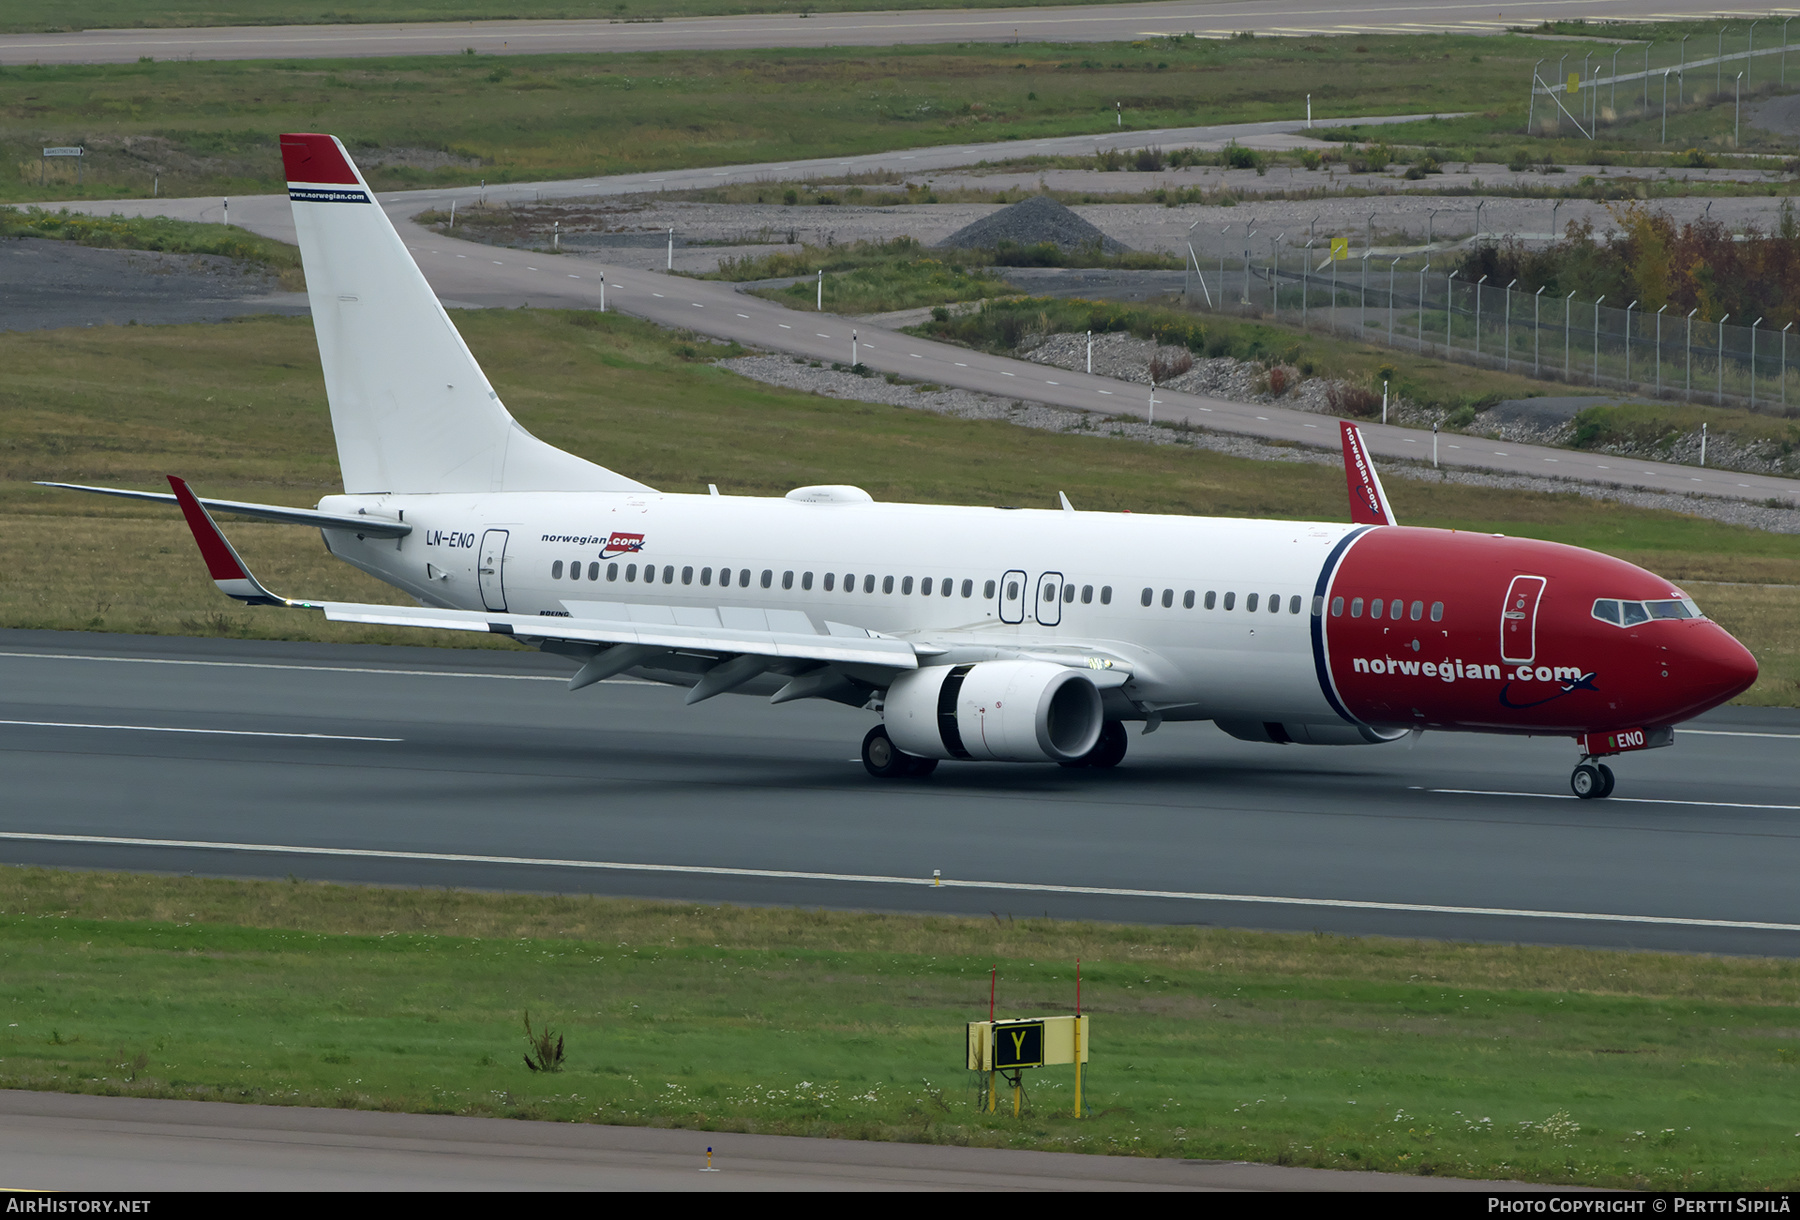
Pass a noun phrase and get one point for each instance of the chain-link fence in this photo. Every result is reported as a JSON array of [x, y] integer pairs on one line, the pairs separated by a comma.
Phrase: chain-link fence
[[1631, 350]]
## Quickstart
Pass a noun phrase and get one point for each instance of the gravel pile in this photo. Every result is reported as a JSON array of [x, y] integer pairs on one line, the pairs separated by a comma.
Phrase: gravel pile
[[1031, 222], [795, 374], [1128, 358]]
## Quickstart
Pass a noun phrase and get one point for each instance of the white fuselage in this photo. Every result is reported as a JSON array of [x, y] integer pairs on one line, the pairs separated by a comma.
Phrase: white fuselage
[[1015, 577]]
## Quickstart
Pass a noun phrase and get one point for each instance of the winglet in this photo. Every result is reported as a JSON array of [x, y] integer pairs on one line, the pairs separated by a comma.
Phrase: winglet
[[228, 571], [1368, 502]]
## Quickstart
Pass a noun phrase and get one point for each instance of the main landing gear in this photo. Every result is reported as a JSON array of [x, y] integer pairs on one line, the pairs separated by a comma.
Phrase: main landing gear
[[884, 760], [1591, 781]]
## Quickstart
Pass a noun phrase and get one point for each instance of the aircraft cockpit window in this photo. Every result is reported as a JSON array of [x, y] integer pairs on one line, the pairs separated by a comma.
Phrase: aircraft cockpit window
[[1671, 608], [1607, 610], [1633, 613], [556, 570]]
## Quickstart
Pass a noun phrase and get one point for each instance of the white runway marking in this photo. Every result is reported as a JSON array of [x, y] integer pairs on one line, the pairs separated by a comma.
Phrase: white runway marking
[[157, 728], [878, 879], [1736, 733], [1635, 800]]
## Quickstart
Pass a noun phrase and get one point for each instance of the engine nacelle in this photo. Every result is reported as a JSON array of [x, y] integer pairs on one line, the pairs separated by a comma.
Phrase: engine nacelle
[[1307, 734], [1003, 711]]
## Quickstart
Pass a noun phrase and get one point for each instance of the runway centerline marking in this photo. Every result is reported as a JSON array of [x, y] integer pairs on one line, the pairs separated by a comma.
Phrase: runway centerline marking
[[157, 728], [1636, 800], [879, 879]]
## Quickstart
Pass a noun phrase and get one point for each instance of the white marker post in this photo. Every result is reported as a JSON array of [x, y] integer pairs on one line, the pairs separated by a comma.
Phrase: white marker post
[[555, 235], [1090, 365], [821, 290], [453, 213], [1384, 400], [603, 292], [671, 263], [1152, 416], [1309, 112], [853, 360], [1434, 444]]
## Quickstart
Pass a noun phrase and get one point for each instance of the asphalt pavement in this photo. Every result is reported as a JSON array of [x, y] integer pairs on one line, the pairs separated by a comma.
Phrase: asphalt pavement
[[1091, 23], [421, 766]]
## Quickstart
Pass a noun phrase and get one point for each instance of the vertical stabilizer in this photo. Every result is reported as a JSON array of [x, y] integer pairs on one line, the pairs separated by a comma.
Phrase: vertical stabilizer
[[411, 409], [1368, 499]]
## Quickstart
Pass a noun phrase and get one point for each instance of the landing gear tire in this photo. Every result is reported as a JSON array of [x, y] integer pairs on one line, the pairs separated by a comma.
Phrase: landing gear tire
[[1108, 751], [884, 760], [1591, 782]]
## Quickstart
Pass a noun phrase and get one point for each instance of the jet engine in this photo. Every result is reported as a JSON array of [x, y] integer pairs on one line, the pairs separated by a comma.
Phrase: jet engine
[[1003, 711]]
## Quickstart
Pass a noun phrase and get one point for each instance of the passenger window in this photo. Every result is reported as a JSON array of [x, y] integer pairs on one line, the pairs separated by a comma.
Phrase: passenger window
[[575, 570], [1147, 596], [1376, 606], [1337, 607], [1274, 603], [1230, 600], [1012, 591], [705, 576], [1437, 612], [869, 583], [1049, 593], [1106, 595], [649, 573], [1187, 600], [787, 580], [1356, 607], [744, 578], [925, 587], [1168, 598], [631, 571], [1417, 611], [969, 589], [987, 590], [1068, 594], [806, 581], [949, 585], [1607, 610], [612, 571], [594, 570], [669, 574], [887, 584], [1634, 613], [1250, 603], [1395, 609], [1212, 599], [1087, 595], [830, 581], [687, 576], [905, 585], [1294, 603], [556, 570], [768, 577]]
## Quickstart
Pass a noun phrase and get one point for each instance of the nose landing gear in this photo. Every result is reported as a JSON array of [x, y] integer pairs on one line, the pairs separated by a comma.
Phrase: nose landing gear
[[1591, 781]]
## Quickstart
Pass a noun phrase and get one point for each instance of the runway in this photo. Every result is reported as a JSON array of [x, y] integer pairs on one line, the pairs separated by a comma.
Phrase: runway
[[419, 766], [1091, 23]]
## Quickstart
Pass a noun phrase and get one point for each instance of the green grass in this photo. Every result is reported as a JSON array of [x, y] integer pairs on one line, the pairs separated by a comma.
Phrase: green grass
[[1544, 1064], [212, 127], [156, 233], [34, 15], [238, 408]]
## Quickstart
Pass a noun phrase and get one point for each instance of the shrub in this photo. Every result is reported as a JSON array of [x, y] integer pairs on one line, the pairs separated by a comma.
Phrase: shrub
[[1148, 161], [1165, 368]]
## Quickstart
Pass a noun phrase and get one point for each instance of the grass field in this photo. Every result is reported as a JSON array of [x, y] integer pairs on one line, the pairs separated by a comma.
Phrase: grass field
[[238, 408], [1553, 1065], [210, 128]]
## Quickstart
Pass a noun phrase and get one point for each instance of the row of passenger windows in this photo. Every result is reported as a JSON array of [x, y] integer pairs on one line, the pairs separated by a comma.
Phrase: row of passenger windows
[[1212, 601], [1395, 609], [928, 586]]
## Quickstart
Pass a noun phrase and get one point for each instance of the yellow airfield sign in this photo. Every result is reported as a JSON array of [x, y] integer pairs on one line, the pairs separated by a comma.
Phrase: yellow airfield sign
[[1340, 248]]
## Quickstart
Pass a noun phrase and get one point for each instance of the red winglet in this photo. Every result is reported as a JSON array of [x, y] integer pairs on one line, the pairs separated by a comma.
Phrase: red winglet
[[222, 563], [1368, 501], [316, 158]]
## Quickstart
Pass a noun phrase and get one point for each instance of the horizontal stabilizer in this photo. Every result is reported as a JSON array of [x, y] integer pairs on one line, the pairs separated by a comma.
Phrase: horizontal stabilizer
[[373, 527], [1368, 500]]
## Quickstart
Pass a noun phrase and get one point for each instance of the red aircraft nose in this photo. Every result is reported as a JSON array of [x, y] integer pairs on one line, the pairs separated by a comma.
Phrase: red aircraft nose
[[1707, 666]]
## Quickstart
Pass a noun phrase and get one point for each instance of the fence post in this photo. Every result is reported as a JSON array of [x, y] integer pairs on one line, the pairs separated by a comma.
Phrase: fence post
[[1720, 354], [1449, 310], [1537, 334], [1506, 332], [1753, 327], [1602, 297], [1422, 271], [1478, 284], [1659, 314], [1784, 330], [1690, 350], [1628, 310]]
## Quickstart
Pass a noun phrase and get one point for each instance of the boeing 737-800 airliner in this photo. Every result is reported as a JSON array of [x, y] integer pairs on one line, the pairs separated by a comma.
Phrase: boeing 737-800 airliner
[[985, 634]]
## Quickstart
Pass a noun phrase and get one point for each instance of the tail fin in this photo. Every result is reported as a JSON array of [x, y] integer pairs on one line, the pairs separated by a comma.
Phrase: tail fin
[[1368, 500], [411, 409]]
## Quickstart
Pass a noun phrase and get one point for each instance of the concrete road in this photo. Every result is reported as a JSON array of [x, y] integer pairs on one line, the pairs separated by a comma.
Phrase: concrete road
[[127, 1145], [1093, 23], [419, 766]]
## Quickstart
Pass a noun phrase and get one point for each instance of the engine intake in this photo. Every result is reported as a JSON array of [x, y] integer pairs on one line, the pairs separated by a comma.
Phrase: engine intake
[[1002, 711]]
